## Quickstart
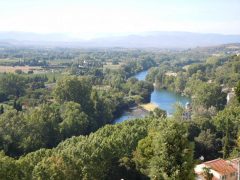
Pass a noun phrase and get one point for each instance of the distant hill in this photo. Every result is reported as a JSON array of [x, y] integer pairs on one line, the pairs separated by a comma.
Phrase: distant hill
[[140, 40], [33, 37]]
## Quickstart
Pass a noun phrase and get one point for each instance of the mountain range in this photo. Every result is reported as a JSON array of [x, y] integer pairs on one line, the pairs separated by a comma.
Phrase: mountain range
[[138, 40]]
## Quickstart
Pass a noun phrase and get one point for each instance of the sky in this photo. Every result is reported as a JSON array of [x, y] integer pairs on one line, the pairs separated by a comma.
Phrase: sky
[[91, 18]]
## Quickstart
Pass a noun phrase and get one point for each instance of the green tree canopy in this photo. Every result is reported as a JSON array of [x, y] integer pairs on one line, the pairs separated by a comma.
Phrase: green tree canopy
[[237, 90], [75, 121], [74, 89], [166, 154]]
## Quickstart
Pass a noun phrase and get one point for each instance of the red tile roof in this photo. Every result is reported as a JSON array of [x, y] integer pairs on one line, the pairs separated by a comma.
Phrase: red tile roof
[[221, 166], [234, 162]]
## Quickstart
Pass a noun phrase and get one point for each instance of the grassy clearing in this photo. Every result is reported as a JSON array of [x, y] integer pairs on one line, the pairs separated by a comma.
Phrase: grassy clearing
[[12, 69], [149, 106], [109, 65]]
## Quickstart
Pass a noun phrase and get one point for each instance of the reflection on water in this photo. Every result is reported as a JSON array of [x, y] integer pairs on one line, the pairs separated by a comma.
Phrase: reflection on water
[[141, 76], [166, 100], [133, 113]]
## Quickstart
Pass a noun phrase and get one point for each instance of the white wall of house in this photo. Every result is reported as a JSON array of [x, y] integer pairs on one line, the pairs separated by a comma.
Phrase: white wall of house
[[199, 169]]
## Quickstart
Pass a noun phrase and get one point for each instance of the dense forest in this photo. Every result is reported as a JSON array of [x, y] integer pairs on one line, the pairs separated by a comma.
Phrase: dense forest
[[58, 123]]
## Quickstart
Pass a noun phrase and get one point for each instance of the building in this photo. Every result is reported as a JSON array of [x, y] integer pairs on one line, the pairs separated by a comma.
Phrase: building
[[235, 162], [219, 168]]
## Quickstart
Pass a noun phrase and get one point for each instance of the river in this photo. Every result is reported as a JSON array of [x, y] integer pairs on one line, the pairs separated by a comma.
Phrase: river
[[164, 99]]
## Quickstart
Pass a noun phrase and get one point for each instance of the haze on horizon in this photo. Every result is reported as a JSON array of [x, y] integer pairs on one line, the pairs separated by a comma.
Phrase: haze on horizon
[[93, 18]]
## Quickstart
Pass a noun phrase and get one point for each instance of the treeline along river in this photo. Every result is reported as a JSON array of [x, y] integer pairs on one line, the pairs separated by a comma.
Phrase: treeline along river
[[164, 99]]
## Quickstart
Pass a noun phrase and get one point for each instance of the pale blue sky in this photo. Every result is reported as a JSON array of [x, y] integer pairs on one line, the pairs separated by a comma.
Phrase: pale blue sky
[[90, 17]]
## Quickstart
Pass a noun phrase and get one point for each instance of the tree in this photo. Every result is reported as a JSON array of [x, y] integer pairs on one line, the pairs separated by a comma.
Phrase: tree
[[103, 108], [18, 71], [28, 162], [8, 168], [17, 105], [3, 97], [11, 84], [167, 153], [1, 109], [144, 153], [12, 127], [226, 145], [159, 113], [237, 91], [208, 95], [173, 153], [179, 111], [207, 174], [205, 145], [143, 89], [57, 168], [54, 79], [227, 124], [75, 122], [74, 89], [98, 156], [180, 83], [41, 128]]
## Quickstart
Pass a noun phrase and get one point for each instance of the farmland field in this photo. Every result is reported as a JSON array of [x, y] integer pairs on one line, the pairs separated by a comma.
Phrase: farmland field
[[109, 65], [25, 69]]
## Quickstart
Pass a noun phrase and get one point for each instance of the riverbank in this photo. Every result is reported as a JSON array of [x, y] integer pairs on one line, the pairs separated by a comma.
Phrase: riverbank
[[133, 113], [149, 106]]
